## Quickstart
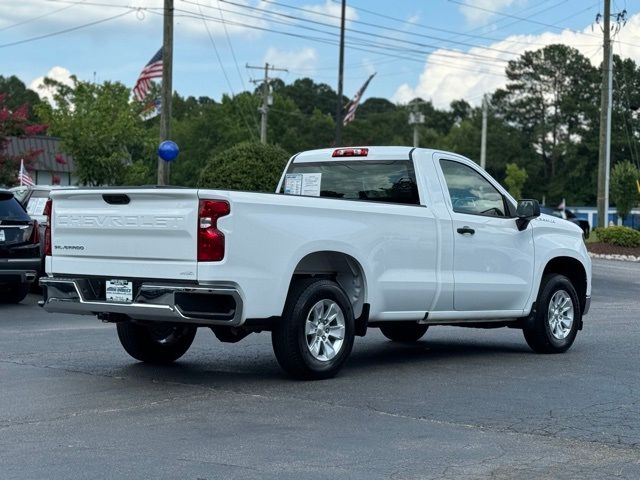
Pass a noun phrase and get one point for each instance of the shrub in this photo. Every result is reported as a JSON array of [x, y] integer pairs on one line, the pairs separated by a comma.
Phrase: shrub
[[247, 166], [621, 236]]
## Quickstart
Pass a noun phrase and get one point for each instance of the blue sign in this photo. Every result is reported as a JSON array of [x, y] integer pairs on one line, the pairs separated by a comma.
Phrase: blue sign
[[168, 151]]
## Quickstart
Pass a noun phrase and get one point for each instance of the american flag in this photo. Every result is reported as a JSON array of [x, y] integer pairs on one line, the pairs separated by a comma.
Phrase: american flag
[[153, 69], [355, 101], [24, 177]]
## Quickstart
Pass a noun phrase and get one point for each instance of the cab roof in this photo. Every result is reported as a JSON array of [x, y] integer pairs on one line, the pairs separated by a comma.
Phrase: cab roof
[[373, 153]]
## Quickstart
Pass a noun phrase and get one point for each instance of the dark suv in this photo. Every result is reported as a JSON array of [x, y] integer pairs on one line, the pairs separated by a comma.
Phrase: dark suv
[[19, 249]]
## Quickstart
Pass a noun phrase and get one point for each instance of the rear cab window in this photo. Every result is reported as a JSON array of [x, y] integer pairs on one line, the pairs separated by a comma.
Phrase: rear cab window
[[388, 181]]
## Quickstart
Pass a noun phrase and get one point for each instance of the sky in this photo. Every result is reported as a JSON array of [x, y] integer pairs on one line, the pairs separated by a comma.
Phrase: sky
[[440, 50]]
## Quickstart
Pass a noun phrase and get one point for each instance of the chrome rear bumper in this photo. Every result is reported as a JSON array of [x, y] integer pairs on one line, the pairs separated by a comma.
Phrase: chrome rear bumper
[[198, 304]]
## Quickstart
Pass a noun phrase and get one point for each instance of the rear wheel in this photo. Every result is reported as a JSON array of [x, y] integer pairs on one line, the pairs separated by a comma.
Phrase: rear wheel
[[155, 343], [14, 293], [557, 317], [314, 337], [404, 331]]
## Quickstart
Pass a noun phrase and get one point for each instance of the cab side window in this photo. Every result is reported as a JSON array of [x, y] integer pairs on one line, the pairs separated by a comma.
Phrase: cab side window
[[470, 192]]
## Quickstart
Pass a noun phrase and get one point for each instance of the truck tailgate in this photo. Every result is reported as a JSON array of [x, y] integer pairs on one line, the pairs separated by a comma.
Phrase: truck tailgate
[[134, 232]]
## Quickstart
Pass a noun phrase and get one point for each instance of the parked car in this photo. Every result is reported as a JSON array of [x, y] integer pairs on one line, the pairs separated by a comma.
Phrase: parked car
[[567, 214], [397, 238], [19, 249]]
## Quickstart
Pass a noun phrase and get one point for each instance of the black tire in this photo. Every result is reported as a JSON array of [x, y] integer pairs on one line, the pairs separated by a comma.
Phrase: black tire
[[155, 344], [539, 332], [404, 331], [14, 293], [289, 337]]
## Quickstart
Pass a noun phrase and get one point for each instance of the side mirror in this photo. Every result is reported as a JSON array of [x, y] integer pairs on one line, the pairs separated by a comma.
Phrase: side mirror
[[526, 211]]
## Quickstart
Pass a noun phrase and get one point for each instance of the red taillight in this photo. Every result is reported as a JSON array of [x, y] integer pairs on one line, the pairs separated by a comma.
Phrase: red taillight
[[35, 235], [350, 152], [210, 239], [48, 211]]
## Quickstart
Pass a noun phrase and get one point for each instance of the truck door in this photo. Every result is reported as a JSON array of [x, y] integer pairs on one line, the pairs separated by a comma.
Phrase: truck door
[[493, 261]]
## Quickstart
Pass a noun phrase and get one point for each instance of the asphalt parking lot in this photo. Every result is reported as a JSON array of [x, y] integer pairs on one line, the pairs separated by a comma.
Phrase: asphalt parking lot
[[461, 403]]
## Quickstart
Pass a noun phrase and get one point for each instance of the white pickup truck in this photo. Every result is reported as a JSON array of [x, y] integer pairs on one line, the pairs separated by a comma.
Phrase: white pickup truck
[[396, 238]]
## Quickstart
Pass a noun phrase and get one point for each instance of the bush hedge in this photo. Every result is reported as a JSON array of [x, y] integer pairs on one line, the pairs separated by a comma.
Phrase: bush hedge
[[621, 236], [246, 166]]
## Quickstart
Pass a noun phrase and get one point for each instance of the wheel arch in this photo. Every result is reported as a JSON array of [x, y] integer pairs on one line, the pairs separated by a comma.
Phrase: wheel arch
[[346, 270], [574, 270]]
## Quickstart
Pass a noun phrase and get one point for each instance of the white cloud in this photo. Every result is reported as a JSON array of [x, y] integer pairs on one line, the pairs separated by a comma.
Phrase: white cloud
[[483, 12], [456, 75], [305, 59], [60, 74]]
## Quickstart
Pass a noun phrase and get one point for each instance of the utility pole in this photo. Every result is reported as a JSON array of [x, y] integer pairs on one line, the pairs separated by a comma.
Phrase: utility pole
[[604, 157], [340, 78], [167, 72], [483, 138], [267, 98], [416, 118]]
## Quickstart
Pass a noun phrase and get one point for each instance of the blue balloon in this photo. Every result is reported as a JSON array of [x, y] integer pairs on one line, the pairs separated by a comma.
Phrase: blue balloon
[[168, 151]]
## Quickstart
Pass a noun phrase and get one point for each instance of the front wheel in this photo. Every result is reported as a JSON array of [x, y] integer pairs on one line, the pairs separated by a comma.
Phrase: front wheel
[[557, 317], [155, 343], [315, 335]]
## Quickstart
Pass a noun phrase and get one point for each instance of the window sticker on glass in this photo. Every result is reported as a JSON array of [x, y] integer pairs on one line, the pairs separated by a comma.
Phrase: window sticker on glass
[[36, 206], [311, 184], [293, 184]]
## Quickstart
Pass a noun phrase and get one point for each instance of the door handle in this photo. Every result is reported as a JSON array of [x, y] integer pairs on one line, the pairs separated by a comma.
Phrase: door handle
[[466, 231]]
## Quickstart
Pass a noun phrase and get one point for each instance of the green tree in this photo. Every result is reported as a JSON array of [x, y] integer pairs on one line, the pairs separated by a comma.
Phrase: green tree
[[552, 96], [100, 127], [515, 179], [624, 190], [246, 166], [16, 94]]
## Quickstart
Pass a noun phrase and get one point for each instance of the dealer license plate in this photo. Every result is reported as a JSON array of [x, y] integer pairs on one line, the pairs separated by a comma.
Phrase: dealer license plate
[[119, 291]]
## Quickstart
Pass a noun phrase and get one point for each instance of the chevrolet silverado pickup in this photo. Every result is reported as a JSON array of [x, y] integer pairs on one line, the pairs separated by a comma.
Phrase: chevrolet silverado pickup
[[395, 238]]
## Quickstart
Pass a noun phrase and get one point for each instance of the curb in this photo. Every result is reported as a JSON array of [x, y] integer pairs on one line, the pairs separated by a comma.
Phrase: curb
[[615, 256]]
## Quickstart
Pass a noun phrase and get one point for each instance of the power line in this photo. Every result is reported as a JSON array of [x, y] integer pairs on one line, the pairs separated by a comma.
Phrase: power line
[[224, 72], [548, 25], [29, 20], [189, 14], [507, 15], [235, 60], [429, 48], [458, 34], [397, 30], [66, 30]]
